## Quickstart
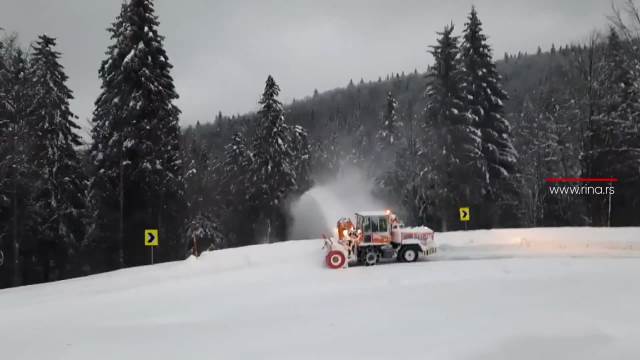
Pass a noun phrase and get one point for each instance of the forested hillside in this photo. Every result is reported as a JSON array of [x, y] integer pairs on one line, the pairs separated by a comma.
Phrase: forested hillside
[[561, 107], [471, 130]]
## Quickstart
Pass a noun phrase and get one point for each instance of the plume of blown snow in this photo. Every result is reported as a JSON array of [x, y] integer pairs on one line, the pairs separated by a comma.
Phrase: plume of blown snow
[[317, 211]]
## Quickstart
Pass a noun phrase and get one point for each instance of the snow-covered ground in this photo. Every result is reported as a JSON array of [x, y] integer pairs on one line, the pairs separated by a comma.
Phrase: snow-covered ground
[[567, 293]]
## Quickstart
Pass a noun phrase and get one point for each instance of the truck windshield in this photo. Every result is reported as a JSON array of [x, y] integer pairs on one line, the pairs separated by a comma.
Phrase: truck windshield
[[382, 224]]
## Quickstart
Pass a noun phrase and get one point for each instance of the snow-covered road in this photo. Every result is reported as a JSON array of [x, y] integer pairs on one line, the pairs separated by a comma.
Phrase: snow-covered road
[[568, 293]]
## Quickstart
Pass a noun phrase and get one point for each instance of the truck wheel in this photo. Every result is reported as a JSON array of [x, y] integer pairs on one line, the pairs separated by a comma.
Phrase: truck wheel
[[408, 254], [335, 259], [370, 257]]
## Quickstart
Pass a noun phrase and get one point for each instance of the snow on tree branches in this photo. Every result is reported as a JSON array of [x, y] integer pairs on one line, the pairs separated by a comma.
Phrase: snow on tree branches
[[136, 140], [485, 97]]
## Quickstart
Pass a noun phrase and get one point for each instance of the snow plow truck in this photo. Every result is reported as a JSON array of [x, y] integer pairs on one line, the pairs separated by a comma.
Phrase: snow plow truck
[[376, 235]]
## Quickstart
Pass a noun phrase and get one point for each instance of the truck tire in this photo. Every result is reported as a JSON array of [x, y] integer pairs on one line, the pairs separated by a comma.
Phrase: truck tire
[[335, 259], [370, 257], [408, 254]]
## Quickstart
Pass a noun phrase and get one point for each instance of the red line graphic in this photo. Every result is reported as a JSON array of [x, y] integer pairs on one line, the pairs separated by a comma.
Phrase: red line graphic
[[581, 180]]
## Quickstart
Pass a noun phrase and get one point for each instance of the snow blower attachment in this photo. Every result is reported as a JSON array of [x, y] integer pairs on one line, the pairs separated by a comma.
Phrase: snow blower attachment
[[376, 235]]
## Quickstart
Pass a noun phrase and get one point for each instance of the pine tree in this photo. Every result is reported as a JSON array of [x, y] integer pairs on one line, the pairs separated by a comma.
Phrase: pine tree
[[272, 172], [138, 181], [5, 194], [237, 163], [273, 169], [456, 142], [388, 134], [60, 179], [401, 186], [279, 168], [17, 222], [485, 98], [530, 135], [202, 230], [615, 149], [548, 145], [301, 159], [236, 191], [203, 233]]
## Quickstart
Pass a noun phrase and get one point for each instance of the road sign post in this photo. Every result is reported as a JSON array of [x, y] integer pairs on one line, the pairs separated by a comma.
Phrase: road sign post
[[465, 215], [151, 240]]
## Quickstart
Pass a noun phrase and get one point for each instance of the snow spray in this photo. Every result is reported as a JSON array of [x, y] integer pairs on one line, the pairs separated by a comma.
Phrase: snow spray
[[317, 210]]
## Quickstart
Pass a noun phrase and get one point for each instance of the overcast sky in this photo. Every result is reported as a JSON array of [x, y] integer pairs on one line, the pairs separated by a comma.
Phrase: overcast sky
[[223, 50]]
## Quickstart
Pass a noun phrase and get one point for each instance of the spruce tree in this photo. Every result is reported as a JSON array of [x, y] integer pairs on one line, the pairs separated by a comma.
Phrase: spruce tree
[[485, 98], [390, 130], [202, 229], [5, 169], [17, 220], [137, 180], [60, 180], [402, 185], [279, 167], [455, 139], [5, 128], [273, 169], [545, 137], [237, 191], [203, 233], [273, 172], [615, 150], [301, 159], [237, 164]]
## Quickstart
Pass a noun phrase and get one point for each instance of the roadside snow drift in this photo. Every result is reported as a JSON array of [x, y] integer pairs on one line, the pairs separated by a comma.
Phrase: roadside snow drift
[[564, 293]]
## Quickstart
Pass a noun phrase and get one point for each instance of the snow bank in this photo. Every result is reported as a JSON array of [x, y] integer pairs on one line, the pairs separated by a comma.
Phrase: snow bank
[[538, 242], [527, 294], [584, 241]]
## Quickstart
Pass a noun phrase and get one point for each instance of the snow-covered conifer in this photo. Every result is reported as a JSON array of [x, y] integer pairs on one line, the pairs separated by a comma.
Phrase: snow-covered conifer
[[60, 180], [17, 180], [455, 141], [485, 96], [137, 179], [613, 135], [273, 170], [389, 132]]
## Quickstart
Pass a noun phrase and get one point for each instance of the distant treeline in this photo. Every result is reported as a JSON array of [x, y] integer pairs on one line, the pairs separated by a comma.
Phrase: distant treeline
[[568, 111]]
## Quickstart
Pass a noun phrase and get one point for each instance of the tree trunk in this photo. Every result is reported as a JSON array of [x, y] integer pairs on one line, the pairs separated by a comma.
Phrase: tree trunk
[[268, 230], [120, 251], [160, 228], [16, 243], [195, 246]]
